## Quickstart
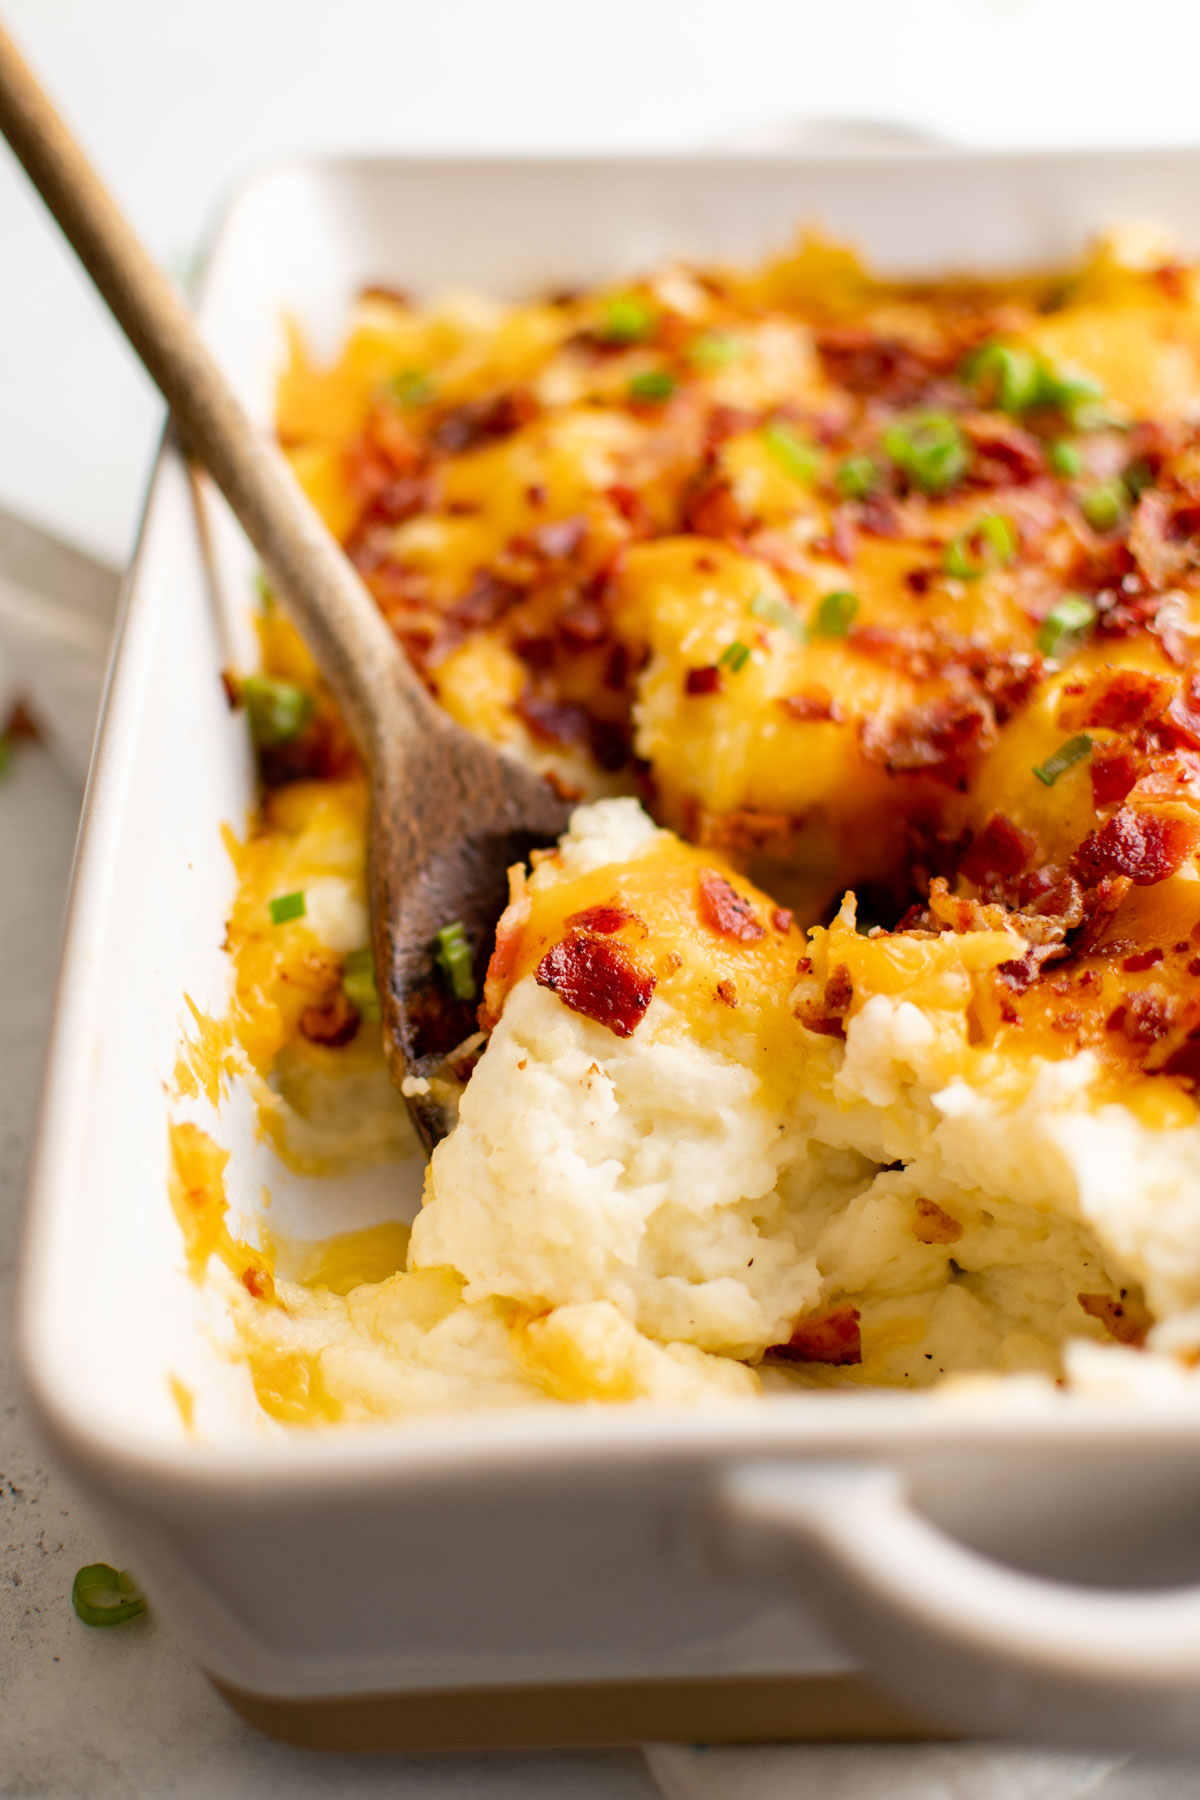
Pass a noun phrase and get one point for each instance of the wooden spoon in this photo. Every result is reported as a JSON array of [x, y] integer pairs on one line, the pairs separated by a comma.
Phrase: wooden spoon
[[448, 814]]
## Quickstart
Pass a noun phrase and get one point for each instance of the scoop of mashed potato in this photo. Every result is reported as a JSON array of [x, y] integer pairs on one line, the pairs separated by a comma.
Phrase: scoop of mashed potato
[[703, 1152]]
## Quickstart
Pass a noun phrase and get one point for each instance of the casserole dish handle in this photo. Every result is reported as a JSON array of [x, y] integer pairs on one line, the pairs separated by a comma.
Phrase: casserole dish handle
[[965, 1640]]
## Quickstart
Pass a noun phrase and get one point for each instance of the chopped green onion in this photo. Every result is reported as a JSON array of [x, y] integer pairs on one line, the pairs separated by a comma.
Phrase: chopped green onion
[[266, 598], [794, 456], [411, 388], [990, 544], [1138, 476], [1065, 624], [1106, 505], [102, 1595], [358, 983], [452, 954], [930, 450], [652, 384], [628, 319], [778, 612], [835, 614], [287, 906], [1067, 389], [1065, 459], [734, 657], [1075, 750], [1005, 374], [277, 711], [857, 477], [715, 350]]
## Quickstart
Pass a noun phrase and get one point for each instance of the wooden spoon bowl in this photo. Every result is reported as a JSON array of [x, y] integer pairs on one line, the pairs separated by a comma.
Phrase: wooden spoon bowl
[[448, 814]]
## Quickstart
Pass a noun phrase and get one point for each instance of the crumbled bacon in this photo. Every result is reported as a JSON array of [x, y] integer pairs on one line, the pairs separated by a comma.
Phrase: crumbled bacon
[[723, 909], [478, 422], [1004, 454], [599, 979], [1001, 850], [711, 510], [813, 705], [933, 735], [1141, 959], [560, 538], [258, 1283], [727, 992], [583, 626], [781, 919], [705, 680], [867, 363], [605, 918], [1144, 1017], [334, 1021], [1114, 773], [1121, 700], [831, 1337], [1147, 847]]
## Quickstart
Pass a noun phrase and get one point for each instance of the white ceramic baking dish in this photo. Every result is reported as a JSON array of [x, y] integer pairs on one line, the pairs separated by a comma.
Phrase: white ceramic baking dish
[[753, 1558]]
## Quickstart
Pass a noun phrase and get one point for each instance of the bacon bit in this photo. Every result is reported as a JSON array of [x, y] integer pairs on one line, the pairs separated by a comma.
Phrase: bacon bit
[[1144, 959], [258, 1283], [1179, 1052], [1181, 722], [536, 495], [1123, 1319], [1144, 1017], [1066, 1021], [933, 1226], [919, 581], [781, 919], [839, 990], [814, 705], [605, 919], [832, 1337], [1121, 701], [598, 979], [632, 508], [1171, 278], [333, 1023], [1147, 847], [705, 680], [1001, 849], [882, 368], [478, 422], [931, 736], [743, 829], [1100, 906], [878, 517], [1158, 538], [843, 540], [565, 790], [583, 626], [485, 603], [553, 721], [804, 966], [723, 909], [712, 511], [1114, 773], [1193, 967], [537, 653], [727, 993], [616, 670], [1005, 455]]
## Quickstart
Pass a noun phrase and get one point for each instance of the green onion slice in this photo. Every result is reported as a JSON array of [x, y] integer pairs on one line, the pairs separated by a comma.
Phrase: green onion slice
[[715, 350], [1005, 375], [1075, 750], [930, 450], [1065, 624], [266, 597], [653, 384], [411, 387], [734, 657], [777, 612], [1067, 388], [835, 614], [990, 544], [857, 477], [102, 1595], [1105, 505], [794, 456], [358, 983], [1137, 477], [452, 954], [628, 319], [277, 711], [287, 906], [1065, 459]]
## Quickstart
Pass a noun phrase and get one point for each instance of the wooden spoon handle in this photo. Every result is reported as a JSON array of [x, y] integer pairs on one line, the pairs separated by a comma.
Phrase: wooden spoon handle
[[341, 623]]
